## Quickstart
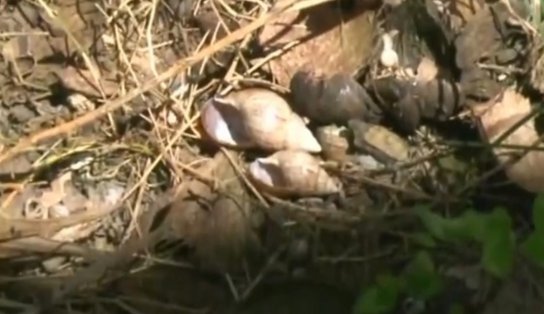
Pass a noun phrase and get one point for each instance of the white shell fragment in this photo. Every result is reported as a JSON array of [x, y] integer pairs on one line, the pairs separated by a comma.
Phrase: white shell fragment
[[292, 173], [256, 117]]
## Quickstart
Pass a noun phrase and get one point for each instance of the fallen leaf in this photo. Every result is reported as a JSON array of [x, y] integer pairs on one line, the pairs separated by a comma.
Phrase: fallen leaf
[[461, 11], [497, 117], [82, 18], [220, 226], [331, 40], [56, 194], [81, 81]]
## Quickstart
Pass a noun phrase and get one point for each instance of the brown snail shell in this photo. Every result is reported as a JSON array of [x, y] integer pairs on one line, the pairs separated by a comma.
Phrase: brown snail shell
[[334, 142], [292, 173], [331, 99], [380, 142], [257, 117]]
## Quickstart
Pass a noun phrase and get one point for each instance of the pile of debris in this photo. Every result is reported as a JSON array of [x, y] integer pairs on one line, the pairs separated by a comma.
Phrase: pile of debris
[[294, 141]]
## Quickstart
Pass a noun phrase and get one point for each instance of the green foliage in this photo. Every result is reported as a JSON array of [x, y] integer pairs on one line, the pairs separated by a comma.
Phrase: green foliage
[[533, 246], [456, 229], [538, 213], [424, 240], [380, 299], [492, 232], [457, 309], [419, 280], [422, 281], [498, 243]]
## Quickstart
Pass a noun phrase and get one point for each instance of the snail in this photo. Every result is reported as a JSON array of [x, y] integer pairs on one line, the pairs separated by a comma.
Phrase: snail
[[334, 142], [331, 99], [256, 117], [292, 173], [383, 144]]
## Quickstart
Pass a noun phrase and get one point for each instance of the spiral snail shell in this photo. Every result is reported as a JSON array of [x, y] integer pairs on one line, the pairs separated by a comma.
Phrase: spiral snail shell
[[331, 99], [256, 117], [223, 124], [292, 173]]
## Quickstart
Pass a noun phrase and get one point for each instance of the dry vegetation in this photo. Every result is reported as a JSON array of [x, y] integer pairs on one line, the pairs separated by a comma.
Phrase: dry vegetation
[[115, 200]]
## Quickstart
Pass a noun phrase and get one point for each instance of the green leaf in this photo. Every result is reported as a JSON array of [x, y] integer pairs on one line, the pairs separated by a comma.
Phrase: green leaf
[[533, 248], [423, 239], [475, 223], [457, 309], [422, 281], [538, 212], [432, 222], [498, 244], [467, 226], [381, 298]]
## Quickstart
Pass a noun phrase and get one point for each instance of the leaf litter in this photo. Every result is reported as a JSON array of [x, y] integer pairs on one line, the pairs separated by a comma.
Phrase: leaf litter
[[108, 175]]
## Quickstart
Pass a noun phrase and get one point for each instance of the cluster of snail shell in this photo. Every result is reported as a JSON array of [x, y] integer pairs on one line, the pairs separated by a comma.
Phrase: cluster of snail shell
[[261, 119]]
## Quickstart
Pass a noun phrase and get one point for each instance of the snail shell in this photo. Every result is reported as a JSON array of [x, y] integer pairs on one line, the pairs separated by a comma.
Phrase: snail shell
[[260, 118], [331, 100], [292, 173], [380, 142], [334, 141], [223, 123]]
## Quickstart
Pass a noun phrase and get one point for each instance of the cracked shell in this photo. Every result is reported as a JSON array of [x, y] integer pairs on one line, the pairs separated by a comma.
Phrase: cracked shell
[[292, 173]]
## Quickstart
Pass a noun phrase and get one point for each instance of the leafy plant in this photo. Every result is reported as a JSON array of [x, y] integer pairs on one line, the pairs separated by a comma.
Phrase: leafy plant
[[533, 246], [492, 232], [381, 298], [422, 280]]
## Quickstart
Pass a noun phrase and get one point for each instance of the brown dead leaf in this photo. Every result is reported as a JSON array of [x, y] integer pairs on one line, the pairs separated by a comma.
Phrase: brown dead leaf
[[57, 193], [81, 81], [462, 11], [29, 43], [81, 18], [331, 40], [61, 213], [220, 226], [35, 47], [496, 118], [16, 167]]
